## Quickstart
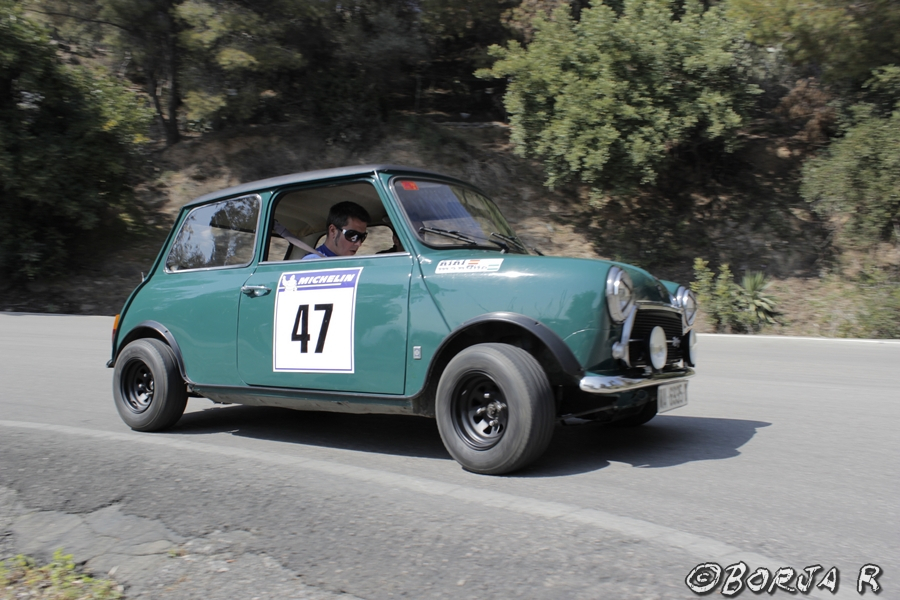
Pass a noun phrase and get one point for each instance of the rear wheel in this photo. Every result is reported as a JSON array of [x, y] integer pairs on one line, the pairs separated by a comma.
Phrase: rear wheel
[[494, 408], [149, 392]]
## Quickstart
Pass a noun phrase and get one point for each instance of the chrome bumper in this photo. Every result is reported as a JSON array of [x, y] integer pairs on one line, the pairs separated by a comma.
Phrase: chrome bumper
[[614, 384]]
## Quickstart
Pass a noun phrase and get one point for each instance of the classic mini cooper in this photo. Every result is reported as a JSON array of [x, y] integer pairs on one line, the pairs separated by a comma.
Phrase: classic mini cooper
[[442, 312]]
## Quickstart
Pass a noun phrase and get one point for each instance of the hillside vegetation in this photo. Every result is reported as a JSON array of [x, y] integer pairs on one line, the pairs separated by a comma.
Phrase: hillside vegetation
[[647, 131]]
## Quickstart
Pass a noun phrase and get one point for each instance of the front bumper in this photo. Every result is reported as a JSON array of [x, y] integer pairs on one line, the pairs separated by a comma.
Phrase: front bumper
[[615, 384]]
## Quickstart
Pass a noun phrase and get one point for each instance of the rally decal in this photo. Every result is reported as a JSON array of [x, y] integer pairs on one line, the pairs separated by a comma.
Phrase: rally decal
[[472, 265], [315, 318]]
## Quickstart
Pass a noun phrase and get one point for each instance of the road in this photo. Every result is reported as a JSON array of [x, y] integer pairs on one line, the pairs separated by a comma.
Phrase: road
[[786, 456]]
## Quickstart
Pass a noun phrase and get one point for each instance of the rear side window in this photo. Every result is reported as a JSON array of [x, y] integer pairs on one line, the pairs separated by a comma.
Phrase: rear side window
[[216, 235]]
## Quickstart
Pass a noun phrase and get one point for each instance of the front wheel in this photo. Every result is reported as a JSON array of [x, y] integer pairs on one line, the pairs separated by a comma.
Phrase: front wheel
[[148, 389], [494, 408]]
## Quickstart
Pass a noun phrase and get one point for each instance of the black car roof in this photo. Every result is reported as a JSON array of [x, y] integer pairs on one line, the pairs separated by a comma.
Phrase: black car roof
[[321, 174]]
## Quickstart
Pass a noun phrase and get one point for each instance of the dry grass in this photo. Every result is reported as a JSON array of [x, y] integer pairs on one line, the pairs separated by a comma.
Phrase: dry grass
[[21, 577]]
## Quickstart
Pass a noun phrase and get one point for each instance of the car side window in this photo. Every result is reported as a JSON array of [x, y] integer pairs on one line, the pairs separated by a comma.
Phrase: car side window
[[222, 234], [303, 214]]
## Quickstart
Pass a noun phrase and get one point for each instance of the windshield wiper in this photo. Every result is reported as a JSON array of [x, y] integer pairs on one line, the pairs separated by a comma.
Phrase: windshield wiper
[[512, 240], [451, 233], [448, 233]]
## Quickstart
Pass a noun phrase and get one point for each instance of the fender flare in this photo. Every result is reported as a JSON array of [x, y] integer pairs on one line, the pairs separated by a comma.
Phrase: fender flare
[[163, 332], [568, 364]]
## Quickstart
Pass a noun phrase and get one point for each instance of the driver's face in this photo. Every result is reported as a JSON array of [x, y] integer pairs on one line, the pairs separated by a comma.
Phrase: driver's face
[[341, 245]]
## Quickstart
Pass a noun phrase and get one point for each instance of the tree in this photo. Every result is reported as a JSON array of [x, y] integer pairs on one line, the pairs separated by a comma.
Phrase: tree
[[143, 35], [608, 98], [857, 178], [66, 138], [844, 40]]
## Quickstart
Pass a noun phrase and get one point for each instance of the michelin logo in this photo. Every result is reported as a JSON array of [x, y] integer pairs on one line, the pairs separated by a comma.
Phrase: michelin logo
[[472, 265]]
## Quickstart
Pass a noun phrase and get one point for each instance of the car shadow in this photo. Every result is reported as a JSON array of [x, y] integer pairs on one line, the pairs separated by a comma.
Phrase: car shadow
[[666, 441], [383, 434], [663, 442]]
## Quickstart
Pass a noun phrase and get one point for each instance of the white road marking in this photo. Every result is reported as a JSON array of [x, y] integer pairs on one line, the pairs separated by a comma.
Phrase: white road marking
[[703, 548]]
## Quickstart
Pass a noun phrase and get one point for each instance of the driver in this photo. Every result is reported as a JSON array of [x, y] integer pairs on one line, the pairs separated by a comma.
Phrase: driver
[[347, 223]]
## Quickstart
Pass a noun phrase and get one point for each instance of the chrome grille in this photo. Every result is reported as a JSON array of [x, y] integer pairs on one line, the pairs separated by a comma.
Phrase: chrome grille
[[644, 323]]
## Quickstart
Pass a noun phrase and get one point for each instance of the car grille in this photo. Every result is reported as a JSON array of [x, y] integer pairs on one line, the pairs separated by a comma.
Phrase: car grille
[[644, 323]]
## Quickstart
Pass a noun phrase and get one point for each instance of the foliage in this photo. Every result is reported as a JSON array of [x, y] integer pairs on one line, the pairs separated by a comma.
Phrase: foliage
[[732, 307], [609, 97], [237, 58], [761, 308], [844, 39], [857, 180], [66, 137], [879, 315], [57, 580]]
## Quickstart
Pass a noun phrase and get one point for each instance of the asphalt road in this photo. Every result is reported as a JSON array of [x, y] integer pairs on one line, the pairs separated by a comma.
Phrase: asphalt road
[[786, 456]]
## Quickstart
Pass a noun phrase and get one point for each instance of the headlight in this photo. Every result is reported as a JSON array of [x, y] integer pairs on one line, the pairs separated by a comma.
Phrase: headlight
[[619, 294], [689, 348], [687, 301]]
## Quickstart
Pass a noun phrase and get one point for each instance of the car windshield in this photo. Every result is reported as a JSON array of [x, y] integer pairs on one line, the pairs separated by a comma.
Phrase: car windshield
[[452, 216]]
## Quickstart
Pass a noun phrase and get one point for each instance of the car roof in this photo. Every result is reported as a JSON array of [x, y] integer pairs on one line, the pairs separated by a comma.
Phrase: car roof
[[305, 177]]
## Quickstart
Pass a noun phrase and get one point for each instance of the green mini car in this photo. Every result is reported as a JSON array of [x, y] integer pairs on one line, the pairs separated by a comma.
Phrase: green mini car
[[443, 312]]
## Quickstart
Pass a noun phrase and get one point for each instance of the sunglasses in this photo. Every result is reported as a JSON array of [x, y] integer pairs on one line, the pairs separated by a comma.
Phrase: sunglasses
[[354, 236]]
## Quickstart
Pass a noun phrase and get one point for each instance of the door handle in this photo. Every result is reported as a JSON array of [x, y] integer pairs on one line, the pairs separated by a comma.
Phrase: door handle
[[255, 291]]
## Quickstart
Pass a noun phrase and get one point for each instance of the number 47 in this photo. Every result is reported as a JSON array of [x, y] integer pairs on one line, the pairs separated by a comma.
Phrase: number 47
[[302, 323]]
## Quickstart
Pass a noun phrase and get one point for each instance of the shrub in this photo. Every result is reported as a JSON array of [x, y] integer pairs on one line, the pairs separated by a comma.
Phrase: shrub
[[608, 98], [878, 315], [858, 178], [760, 307], [732, 307]]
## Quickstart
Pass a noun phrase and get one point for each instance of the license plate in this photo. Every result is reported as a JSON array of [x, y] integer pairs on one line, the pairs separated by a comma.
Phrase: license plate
[[671, 396]]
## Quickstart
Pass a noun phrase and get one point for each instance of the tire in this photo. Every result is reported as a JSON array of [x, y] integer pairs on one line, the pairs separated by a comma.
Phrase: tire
[[647, 412], [149, 392], [495, 409]]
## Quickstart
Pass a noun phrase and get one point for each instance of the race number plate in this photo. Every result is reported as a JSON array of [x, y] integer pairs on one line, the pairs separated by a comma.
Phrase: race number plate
[[671, 396], [315, 318]]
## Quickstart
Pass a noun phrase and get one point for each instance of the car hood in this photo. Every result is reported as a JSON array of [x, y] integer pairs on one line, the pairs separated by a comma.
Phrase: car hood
[[568, 295]]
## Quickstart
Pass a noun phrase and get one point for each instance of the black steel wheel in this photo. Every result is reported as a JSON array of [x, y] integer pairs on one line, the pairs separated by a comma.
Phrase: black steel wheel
[[137, 386], [494, 408], [149, 392], [480, 412]]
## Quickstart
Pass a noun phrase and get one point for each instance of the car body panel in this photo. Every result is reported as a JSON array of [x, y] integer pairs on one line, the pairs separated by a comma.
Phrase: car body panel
[[381, 317], [199, 308]]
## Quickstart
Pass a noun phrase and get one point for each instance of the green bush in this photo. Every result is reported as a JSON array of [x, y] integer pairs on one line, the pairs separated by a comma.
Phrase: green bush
[[857, 180], [878, 315], [732, 307], [66, 140], [608, 99]]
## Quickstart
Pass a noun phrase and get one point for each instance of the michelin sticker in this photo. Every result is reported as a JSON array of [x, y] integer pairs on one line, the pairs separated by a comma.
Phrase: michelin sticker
[[472, 265], [315, 318]]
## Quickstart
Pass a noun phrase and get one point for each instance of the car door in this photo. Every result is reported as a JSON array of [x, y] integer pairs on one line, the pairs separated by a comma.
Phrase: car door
[[195, 292], [327, 324]]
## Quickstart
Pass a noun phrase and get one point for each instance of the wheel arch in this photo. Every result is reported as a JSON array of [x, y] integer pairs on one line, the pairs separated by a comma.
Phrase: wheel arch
[[156, 330], [551, 352]]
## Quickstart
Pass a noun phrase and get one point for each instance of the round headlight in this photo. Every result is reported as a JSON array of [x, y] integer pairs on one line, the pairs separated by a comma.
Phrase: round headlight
[[689, 343], [687, 301], [658, 349], [619, 294]]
